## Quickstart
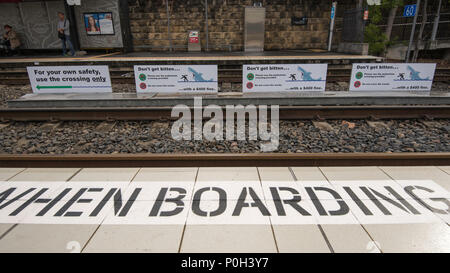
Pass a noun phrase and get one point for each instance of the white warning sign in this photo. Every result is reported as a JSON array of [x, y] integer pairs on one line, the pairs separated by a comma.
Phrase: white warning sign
[[284, 77], [176, 78], [70, 79], [392, 77]]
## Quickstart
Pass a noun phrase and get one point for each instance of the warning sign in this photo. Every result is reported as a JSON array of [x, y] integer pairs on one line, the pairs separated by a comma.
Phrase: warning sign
[[224, 203], [284, 77], [193, 37], [392, 77], [70, 79], [176, 78]]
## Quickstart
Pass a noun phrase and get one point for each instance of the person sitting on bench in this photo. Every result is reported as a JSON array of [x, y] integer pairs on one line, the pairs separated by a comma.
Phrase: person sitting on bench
[[11, 41]]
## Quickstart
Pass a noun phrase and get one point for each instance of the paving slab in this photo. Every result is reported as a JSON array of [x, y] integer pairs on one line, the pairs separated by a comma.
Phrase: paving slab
[[280, 190], [228, 238], [7, 173], [349, 239], [353, 173], [308, 174], [141, 233], [419, 173], [4, 228], [343, 238], [426, 237], [300, 239], [136, 238], [379, 186], [444, 214], [232, 190], [47, 238], [105, 174], [445, 169], [45, 174], [150, 191], [275, 174], [166, 174], [293, 234], [241, 174], [216, 234]]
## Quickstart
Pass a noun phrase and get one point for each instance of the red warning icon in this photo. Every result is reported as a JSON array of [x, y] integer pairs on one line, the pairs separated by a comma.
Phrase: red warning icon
[[249, 85], [143, 85], [357, 84]]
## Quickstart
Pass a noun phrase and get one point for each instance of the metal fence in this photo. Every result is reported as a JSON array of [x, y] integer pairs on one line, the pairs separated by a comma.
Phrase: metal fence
[[402, 27], [353, 26]]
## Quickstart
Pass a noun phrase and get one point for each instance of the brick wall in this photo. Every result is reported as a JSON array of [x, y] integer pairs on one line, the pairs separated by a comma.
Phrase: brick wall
[[226, 23]]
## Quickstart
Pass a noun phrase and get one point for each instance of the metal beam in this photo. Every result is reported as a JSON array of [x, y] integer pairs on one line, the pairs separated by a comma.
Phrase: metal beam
[[333, 16], [164, 113], [436, 22], [206, 25], [411, 38], [224, 160], [70, 15], [125, 26], [168, 25]]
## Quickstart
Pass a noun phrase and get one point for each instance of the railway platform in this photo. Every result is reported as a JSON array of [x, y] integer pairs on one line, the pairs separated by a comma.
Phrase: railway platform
[[328, 98], [222, 58], [246, 229]]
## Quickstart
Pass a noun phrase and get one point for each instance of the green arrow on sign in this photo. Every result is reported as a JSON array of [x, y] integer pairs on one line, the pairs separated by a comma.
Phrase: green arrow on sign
[[51, 87]]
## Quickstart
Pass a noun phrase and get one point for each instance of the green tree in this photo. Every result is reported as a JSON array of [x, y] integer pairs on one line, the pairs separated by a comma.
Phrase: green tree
[[373, 34], [392, 5], [377, 39]]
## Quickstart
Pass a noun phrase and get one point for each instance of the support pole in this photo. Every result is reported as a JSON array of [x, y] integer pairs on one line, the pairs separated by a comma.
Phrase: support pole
[[124, 16], [437, 18], [70, 15], [420, 35], [360, 4], [168, 25], [206, 26], [22, 21], [411, 38], [333, 15]]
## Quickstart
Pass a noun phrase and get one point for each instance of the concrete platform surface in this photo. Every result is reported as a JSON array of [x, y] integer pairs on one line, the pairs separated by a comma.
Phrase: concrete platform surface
[[290, 55], [309, 214], [73, 100]]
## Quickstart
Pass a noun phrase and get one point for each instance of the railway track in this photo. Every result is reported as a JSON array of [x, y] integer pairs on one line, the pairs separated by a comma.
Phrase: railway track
[[286, 113], [226, 75], [234, 75], [224, 160]]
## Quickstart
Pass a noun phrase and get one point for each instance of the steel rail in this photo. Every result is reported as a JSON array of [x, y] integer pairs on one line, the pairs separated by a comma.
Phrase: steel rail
[[224, 160], [285, 113]]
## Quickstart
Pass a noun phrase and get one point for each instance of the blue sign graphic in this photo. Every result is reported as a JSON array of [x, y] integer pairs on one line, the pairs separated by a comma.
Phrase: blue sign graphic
[[332, 12], [198, 77], [415, 75], [306, 75], [409, 11]]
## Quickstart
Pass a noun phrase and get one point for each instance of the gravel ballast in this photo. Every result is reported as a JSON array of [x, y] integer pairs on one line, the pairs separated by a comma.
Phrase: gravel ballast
[[333, 136]]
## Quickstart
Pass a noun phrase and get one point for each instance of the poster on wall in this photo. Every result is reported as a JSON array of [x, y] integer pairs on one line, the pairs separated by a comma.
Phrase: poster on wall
[[106, 23], [176, 78], [392, 77], [99, 23], [284, 77]]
